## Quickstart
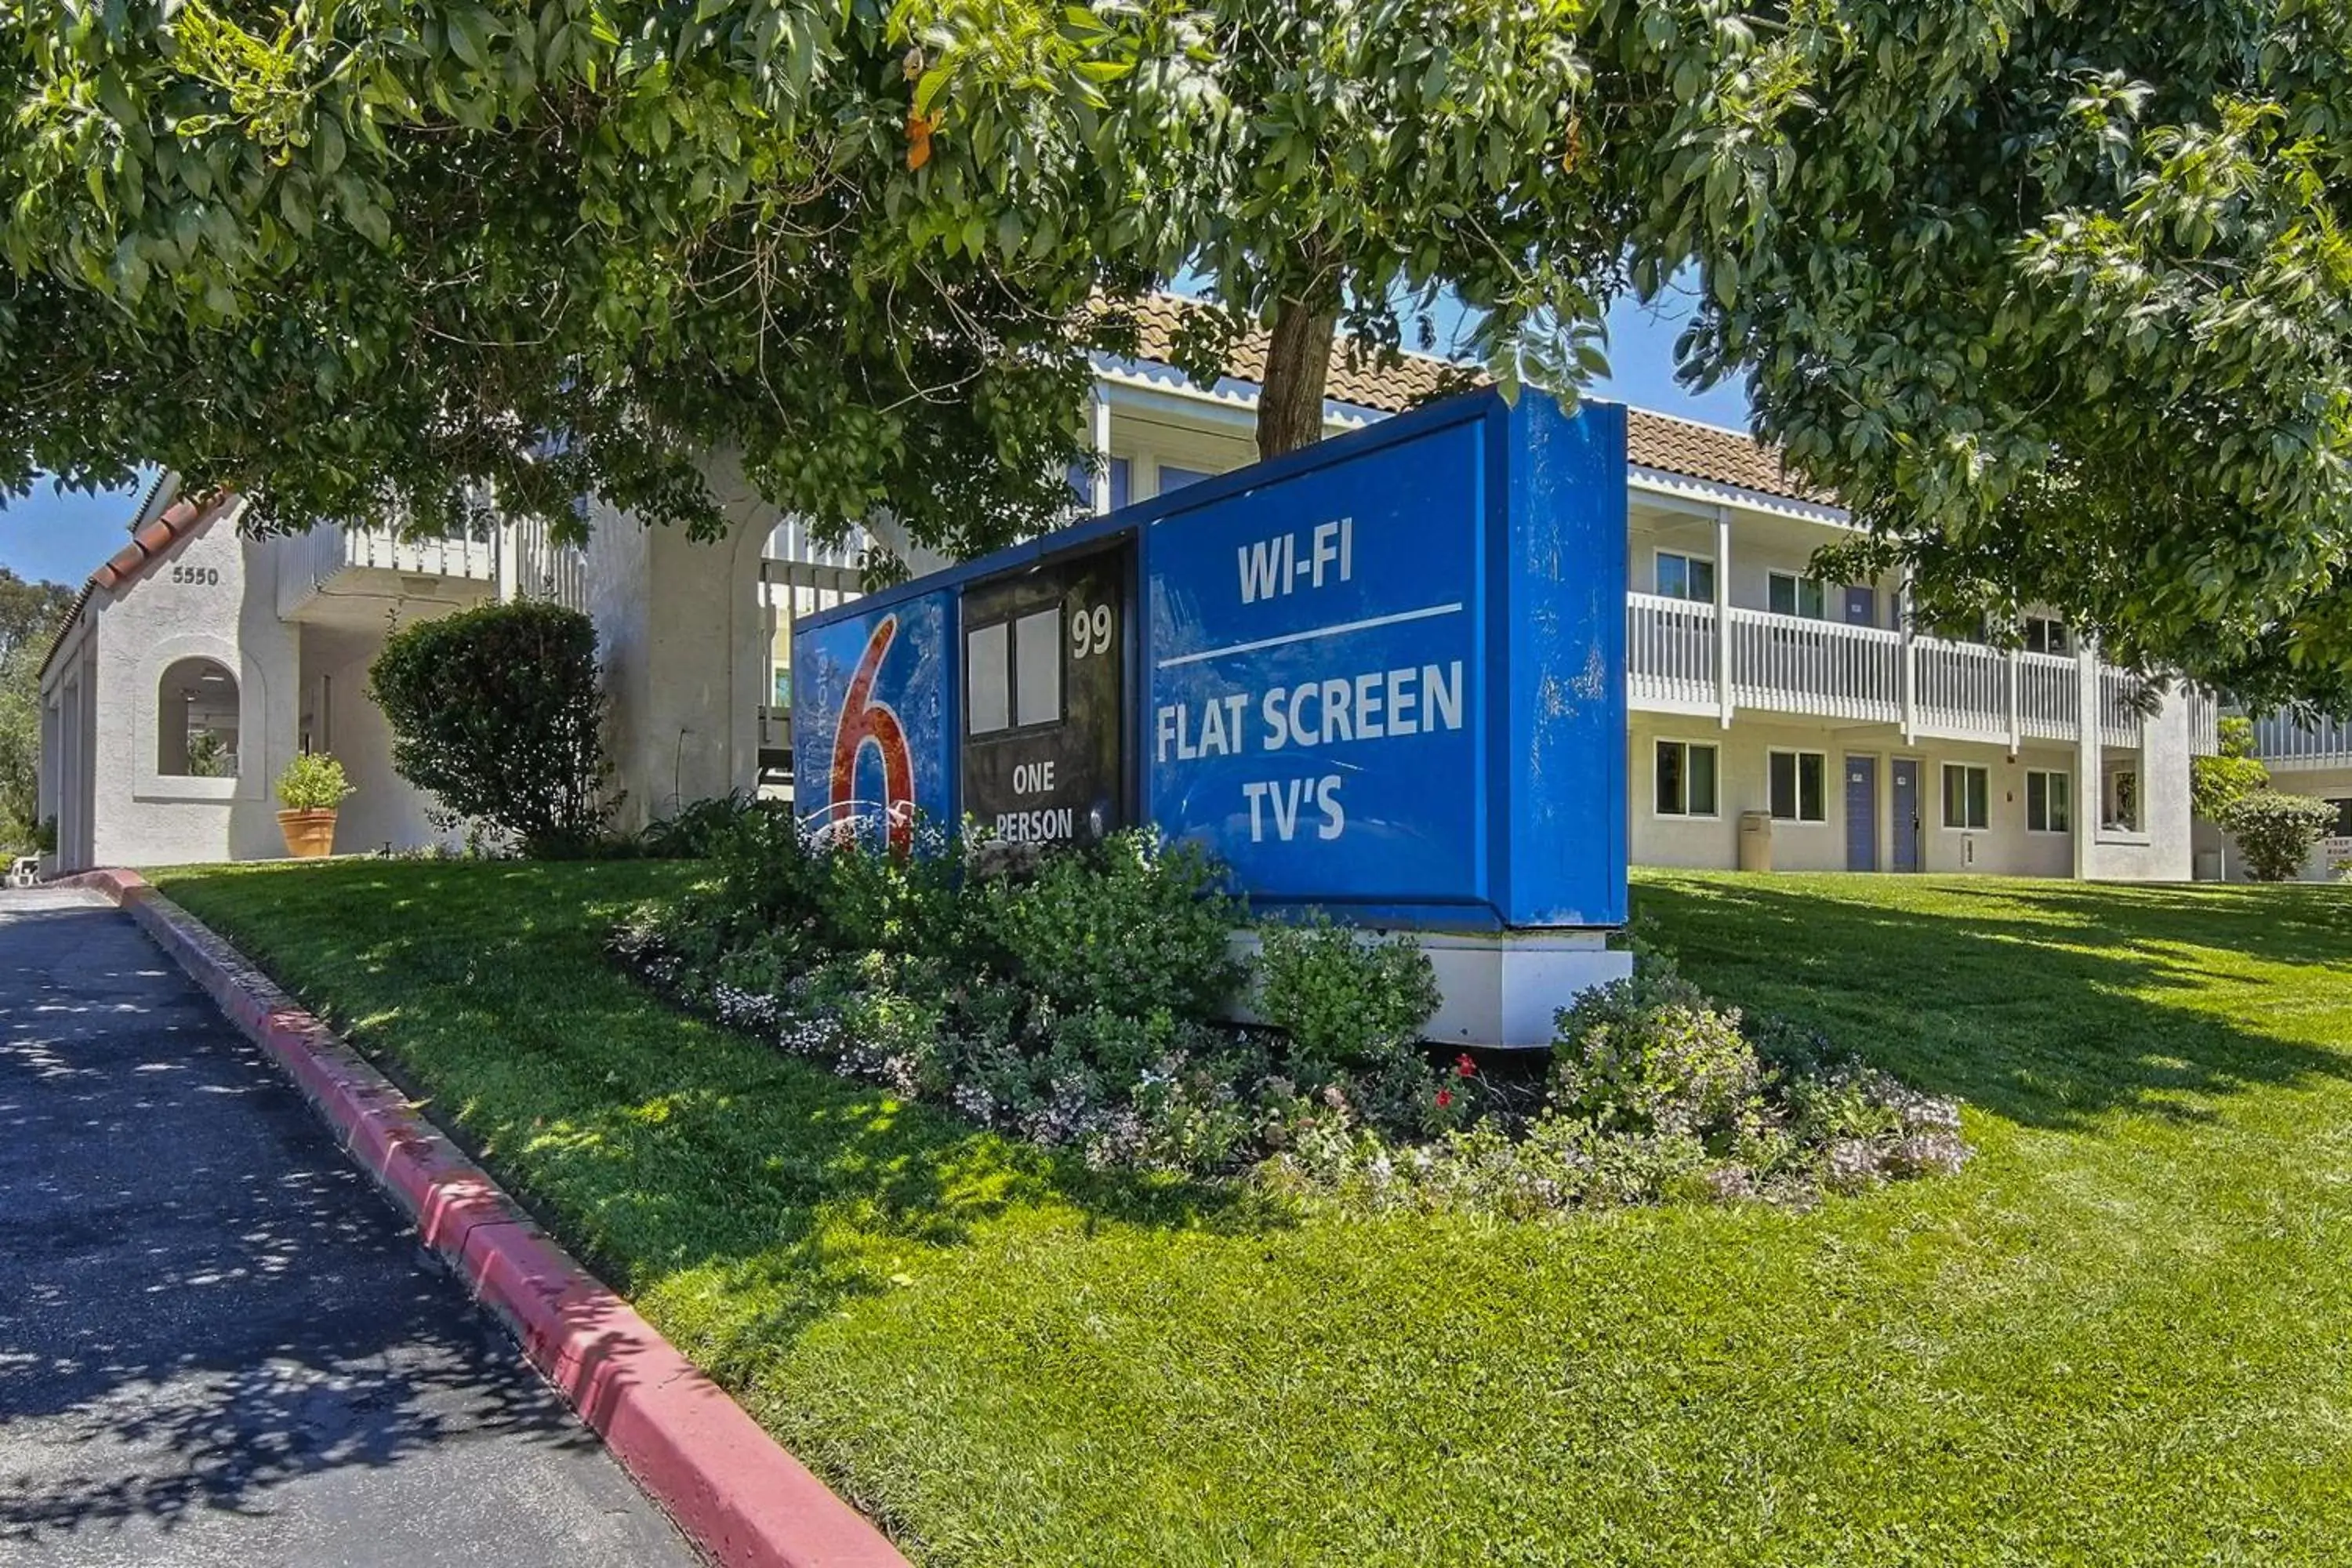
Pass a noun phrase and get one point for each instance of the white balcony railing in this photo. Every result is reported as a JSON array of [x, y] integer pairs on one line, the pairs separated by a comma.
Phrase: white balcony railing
[[546, 570], [1963, 688], [1839, 671], [1670, 652], [2204, 723], [1954, 690], [327, 552], [2281, 741], [2119, 715]]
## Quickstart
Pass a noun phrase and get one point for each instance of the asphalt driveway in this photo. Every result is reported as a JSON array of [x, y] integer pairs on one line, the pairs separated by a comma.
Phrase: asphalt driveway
[[218, 1343]]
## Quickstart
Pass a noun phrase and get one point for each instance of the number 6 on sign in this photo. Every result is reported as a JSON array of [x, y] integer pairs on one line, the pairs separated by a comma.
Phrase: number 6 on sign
[[1089, 631]]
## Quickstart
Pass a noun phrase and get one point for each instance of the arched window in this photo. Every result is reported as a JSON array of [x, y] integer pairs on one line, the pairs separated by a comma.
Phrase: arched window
[[196, 714]]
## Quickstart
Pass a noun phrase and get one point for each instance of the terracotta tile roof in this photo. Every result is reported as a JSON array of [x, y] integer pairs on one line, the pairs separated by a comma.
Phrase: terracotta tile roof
[[1358, 375], [148, 543], [1675, 445], [1392, 384]]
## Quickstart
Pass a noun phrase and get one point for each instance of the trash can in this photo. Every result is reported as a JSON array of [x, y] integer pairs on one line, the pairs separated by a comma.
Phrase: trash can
[[1756, 841]]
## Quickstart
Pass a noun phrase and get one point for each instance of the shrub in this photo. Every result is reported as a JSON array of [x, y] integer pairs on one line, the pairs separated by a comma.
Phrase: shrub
[[2275, 832], [497, 712], [2216, 781], [1344, 1001], [1648, 1055], [1128, 926], [698, 830], [313, 781], [1071, 998]]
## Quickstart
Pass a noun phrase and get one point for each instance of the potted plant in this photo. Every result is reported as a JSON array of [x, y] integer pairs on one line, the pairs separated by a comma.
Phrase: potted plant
[[310, 788]]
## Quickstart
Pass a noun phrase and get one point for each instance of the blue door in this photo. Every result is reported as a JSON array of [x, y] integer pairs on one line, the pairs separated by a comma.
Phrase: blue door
[[1903, 772], [1860, 814]]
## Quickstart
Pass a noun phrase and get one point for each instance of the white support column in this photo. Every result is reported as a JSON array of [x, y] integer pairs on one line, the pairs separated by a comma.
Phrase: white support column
[[1910, 661], [1723, 615], [509, 570], [2016, 732], [1102, 451], [2090, 753]]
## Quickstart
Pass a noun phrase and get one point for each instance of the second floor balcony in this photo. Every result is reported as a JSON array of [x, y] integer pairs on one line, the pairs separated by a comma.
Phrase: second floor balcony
[[1681, 660], [335, 562], [2286, 743]]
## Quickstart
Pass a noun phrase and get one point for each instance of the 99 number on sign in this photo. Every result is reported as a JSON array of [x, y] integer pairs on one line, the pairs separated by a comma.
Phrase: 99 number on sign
[[1089, 631]]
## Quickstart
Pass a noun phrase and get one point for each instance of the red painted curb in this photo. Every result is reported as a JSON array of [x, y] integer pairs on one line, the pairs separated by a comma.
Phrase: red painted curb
[[735, 1492]]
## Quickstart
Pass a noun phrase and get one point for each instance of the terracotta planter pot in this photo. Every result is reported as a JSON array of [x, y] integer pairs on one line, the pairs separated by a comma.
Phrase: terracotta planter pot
[[308, 833]]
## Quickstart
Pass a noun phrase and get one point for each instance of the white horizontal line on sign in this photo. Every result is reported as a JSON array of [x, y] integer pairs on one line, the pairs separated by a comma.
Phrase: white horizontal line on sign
[[1432, 613]]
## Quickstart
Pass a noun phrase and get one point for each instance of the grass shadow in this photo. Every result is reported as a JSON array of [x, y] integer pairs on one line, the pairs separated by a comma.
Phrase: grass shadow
[[2048, 1003], [659, 1145]]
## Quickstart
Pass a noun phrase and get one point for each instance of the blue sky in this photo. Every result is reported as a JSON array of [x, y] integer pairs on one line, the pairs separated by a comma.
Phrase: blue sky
[[63, 537]]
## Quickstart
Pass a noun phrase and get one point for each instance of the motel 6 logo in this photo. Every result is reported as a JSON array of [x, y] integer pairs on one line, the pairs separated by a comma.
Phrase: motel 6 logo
[[868, 720]]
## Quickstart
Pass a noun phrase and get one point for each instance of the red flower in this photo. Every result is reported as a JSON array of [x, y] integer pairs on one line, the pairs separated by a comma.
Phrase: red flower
[[1464, 1067], [1444, 1098]]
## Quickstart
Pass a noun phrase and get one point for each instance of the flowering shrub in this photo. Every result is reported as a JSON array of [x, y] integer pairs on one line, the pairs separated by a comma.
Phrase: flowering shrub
[[2275, 832], [1655, 1094], [1076, 1003]]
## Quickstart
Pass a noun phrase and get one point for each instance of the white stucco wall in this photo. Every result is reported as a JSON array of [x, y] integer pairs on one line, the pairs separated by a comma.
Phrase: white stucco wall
[[683, 643], [140, 816], [2162, 850], [384, 808]]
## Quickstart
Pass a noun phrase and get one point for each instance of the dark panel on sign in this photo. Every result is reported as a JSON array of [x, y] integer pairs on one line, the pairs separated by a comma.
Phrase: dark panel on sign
[[1044, 697]]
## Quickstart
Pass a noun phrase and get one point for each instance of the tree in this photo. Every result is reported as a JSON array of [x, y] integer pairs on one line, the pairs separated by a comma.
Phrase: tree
[[497, 712], [2057, 297], [351, 260], [30, 614], [2231, 772]]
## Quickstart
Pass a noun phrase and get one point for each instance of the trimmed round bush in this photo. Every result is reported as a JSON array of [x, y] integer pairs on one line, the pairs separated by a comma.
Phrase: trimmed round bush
[[2275, 832], [497, 712]]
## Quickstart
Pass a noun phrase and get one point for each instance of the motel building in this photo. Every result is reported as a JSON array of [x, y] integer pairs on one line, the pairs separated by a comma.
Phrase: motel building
[[1773, 720]]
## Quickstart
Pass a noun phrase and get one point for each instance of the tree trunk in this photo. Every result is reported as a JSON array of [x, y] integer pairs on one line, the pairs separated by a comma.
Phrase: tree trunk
[[1297, 363]]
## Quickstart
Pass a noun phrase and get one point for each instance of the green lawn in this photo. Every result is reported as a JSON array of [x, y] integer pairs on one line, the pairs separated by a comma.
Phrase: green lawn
[[2123, 1336]]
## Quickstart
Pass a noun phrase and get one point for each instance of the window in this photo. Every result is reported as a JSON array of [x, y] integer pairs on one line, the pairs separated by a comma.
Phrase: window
[[2343, 828], [1796, 785], [1012, 673], [1685, 779], [2120, 806], [2044, 634], [1785, 594], [1082, 484], [2049, 804], [1968, 797], [1685, 577], [1173, 478], [196, 714]]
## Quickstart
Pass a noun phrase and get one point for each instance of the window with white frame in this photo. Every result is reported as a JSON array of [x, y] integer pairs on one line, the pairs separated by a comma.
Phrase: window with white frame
[[1685, 779], [2047, 634], [2048, 803], [1796, 785], [1967, 795], [1682, 577], [1785, 594]]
